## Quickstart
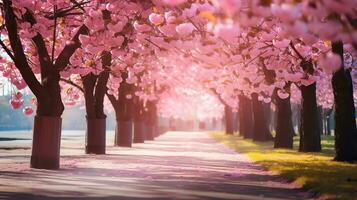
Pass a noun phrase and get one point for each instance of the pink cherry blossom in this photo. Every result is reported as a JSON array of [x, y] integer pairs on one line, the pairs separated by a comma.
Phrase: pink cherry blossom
[[185, 29], [156, 19], [27, 110], [174, 2]]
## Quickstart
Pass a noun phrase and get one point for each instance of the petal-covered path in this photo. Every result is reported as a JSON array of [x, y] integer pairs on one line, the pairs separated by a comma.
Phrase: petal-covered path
[[177, 165]]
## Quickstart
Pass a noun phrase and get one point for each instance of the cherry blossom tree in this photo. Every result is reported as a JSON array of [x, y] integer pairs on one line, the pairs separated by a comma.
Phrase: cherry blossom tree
[[36, 49], [244, 55]]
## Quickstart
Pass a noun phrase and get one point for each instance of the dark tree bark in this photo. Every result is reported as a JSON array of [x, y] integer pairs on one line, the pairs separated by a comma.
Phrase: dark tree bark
[[246, 121], [96, 126], [345, 124], [269, 116], [139, 121], [123, 108], [328, 122], [228, 116], [261, 130], [151, 120], [324, 117], [227, 119], [47, 123], [320, 120], [95, 88], [235, 122], [284, 124], [310, 139]]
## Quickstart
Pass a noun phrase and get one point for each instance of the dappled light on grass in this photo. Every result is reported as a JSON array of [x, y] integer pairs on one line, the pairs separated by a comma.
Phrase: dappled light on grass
[[315, 171]]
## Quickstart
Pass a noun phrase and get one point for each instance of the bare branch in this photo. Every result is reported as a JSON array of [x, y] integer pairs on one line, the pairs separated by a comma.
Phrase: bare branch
[[7, 50], [296, 51], [54, 34], [70, 82], [63, 59]]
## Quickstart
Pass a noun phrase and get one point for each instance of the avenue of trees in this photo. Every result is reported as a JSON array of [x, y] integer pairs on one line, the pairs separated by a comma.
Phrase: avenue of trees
[[136, 56]]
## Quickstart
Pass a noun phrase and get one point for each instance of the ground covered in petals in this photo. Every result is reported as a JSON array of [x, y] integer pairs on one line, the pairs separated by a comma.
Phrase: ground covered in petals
[[177, 165]]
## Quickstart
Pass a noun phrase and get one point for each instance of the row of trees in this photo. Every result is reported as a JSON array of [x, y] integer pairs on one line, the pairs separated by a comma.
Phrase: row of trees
[[266, 48], [139, 52]]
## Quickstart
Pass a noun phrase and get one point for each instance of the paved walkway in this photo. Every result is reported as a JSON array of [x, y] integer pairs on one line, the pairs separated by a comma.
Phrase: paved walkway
[[177, 165]]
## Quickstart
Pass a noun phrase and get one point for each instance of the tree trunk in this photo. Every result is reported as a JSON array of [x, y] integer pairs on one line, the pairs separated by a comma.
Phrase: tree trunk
[[328, 124], [96, 119], [46, 142], [51, 104], [150, 134], [228, 114], [235, 122], [324, 119], [246, 121], [310, 139], [95, 88], [320, 119], [139, 125], [150, 120], [47, 127], [139, 131], [345, 124], [261, 130], [284, 124], [95, 136], [124, 134], [47, 123], [268, 116], [123, 108]]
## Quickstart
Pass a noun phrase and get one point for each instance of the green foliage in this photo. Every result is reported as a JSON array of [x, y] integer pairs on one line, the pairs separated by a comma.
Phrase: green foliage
[[314, 171]]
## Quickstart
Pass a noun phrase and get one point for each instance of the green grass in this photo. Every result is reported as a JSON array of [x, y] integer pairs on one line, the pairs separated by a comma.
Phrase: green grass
[[314, 171]]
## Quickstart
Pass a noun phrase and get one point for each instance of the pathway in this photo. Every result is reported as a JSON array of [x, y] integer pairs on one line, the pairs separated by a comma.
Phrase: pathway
[[177, 165]]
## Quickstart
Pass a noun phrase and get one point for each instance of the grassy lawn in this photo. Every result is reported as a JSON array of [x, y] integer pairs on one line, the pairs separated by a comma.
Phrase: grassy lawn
[[314, 171]]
